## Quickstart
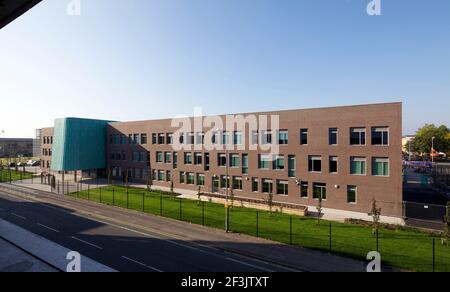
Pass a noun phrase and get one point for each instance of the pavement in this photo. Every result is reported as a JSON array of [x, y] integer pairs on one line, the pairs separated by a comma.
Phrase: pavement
[[125, 240]]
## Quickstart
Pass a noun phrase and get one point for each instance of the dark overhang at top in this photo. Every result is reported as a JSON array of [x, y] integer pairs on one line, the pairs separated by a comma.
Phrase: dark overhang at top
[[12, 9]]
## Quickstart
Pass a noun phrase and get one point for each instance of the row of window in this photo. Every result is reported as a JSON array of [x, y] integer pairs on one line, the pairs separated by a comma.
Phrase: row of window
[[47, 140], [380, 136], [46, 152]]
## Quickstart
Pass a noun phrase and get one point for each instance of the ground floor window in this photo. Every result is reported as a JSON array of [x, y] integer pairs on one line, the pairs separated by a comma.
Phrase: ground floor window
[[168, 176], [237, 183], [161, 175], [182, 177], [267, 186], [304, 189], [319, 191], [352, 192], [225, 182], [200, 179], [190, 178], [282, 187], [255, 185]]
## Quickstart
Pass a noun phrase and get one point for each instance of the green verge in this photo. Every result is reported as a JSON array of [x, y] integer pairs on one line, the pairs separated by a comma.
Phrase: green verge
[[7, 175], [402, 248]]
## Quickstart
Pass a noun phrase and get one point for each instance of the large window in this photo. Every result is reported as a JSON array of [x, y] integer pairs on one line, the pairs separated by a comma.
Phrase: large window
[[278, 163], [200, 179], [304, 137], [358, 166], [198, 158], [380, 166], [352, 193], [292, 167], [161, 176], [283, 137], [282, 187], [237, 183], [144, 139], [380, 136], [244, 163], [190, 178], [319, 191], [222, 160], [315, 164], [182, 177], [169, 139], [358, 136], [304, 189], [264, 161], [266, 137], [225, 182], [333, 136], [159, 157], [255, 185], [234, 160], [237, 138], [225, 138], [334, 162], [168, 176], [187, 158], [267, 186], [168, 157]]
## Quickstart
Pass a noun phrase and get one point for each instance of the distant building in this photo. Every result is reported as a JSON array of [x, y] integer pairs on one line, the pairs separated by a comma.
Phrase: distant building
[[406, 142], [15, 147]]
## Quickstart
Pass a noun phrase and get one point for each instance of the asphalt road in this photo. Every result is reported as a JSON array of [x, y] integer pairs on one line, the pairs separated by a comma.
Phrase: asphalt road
[[121, 248]]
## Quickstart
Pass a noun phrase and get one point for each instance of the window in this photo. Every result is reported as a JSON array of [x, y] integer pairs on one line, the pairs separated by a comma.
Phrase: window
[[169, 139], [190, 178], [198, 158], [215, 138], [283, 137], [161, 176], [333, 136], [267, 186], [292, 167], [357, 166], [334, 161], [116, 139], [315, 164], [130, 139], [358, 136], [255, 138], [175, 160], [181, 138], [190, 138], [154, 139], [159, 157], [282, 188], [135, 157], [266, 137], [237, 138], [155, 174], [278, 163], [222, 160], [168, 176], [380, 136], [352, 193], [187, 158], [234, 160], [304, 189], [144, 139], [182, 177], [207, 164], [225, 138], [255, 185], [200, 138], [380, 167], [161, 139], [264, 162], [123, 139], [168, 157], [111, 139], [237, 183], [124, 155], [142, 156], [304, 137], [319, 191], [136, 138], [225, 182], [244, 163], [200, 179]]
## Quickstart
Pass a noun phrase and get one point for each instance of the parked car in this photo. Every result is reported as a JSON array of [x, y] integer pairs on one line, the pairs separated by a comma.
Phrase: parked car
[[36, 163], [12, 164]]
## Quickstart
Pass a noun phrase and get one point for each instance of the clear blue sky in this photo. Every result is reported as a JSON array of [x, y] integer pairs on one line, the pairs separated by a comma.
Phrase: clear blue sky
[[145, 59]]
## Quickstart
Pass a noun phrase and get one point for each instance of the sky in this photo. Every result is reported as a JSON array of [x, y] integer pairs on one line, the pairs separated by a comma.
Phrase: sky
[[148, 59]]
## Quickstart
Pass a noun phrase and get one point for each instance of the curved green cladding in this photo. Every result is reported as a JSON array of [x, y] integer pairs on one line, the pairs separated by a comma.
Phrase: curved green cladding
[[79, 144]]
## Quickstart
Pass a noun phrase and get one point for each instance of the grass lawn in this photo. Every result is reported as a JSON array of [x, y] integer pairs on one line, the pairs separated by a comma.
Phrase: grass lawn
[[403, 248], [6, 175]]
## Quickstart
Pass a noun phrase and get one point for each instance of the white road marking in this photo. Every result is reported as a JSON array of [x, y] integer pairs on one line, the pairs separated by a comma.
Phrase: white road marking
[[85, 242], [144, 265], [18, 216], [49, 228]]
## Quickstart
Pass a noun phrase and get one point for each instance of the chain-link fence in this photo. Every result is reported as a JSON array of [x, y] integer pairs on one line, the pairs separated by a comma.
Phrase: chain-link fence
[[399, 246]]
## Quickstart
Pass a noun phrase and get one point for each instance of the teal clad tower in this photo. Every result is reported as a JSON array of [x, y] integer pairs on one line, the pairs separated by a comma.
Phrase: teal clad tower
[[79, 144]]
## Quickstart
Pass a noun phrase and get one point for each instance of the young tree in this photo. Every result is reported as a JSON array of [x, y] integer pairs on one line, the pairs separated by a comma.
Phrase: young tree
[[171, 187], [199, 195], [269, 201], [149, 179], [319, 209], [376, 213]]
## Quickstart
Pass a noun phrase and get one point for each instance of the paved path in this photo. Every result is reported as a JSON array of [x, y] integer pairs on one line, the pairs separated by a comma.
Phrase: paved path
[[130, 241]]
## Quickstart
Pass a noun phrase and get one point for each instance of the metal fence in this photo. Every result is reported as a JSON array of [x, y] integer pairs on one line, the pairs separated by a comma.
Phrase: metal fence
[[398, 246]]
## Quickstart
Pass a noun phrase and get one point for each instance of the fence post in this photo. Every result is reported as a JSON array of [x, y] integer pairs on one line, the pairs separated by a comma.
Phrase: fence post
[[257, 223], [434, 255], [10, 177], [203, 213], [330, 247], [290, 230]]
